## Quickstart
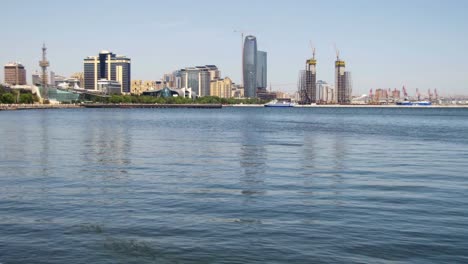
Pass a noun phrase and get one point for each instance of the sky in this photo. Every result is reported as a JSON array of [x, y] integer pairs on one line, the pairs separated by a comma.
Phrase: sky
[[386, 44]]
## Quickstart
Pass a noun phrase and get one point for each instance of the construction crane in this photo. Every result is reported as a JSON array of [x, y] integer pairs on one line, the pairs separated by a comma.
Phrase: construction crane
[[313, 49], [405, 94], [337, 53]]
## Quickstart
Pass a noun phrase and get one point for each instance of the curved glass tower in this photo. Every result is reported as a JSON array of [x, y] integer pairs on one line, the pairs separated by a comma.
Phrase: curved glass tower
[[249, 61]]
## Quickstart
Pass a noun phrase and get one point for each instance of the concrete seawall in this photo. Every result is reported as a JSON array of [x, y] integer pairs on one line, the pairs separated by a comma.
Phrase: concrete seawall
[[152, 105]]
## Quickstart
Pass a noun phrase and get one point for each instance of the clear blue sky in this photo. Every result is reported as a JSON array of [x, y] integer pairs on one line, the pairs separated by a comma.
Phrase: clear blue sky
[[386, 44]]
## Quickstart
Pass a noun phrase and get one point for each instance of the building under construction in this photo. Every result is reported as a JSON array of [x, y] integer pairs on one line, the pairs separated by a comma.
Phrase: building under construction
[[342, 82], [307, 82]]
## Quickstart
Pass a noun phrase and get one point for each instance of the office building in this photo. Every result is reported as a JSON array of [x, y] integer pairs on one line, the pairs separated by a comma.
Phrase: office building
[[107, 66], [15, 74], [249, 65], [197, 78], [261, 69]]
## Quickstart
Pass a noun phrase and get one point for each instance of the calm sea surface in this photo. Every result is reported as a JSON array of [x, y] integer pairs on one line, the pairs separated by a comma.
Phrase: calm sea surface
[[234, 186]]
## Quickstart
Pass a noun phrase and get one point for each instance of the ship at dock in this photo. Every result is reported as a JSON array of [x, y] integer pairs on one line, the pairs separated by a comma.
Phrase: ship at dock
[[280, 103]]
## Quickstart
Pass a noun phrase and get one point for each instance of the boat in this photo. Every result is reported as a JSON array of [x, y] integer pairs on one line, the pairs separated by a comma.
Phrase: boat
[[405, 103], [421, 103], [280, 103]]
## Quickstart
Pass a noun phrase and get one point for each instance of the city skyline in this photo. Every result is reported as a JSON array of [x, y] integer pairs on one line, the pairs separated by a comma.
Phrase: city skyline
[[422, 45]]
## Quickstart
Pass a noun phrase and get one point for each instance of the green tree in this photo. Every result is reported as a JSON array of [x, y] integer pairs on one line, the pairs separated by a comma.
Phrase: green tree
[[8, 98], [115, 99], [26, 99]]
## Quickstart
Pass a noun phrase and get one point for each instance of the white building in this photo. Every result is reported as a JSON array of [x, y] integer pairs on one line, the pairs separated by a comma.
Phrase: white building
[[325, 92]]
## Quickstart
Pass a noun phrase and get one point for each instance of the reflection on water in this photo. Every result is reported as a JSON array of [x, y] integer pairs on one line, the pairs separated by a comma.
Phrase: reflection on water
[[44, 142], [253, 157], [107, 144], [301, 185]]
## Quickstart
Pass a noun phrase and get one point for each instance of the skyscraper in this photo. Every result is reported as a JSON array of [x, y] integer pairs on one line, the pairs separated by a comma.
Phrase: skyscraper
[[249, 66], [204, 82], [348, 86], [261, 70], [307, 82], [342, 96], [15, 74], [107, 66]]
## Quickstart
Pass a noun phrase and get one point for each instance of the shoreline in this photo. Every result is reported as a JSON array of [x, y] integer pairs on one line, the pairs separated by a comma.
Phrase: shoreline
[[11, 107]]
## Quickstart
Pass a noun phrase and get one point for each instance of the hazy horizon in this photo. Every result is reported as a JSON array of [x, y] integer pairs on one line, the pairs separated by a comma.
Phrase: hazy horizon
[[385, 44]]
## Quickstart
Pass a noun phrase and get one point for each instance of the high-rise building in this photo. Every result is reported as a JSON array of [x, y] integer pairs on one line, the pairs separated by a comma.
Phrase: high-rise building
[[348, 86], [249, 61], [307, 82], [261, 69], [198, 78], [343, 95], [324, 92], [204, 82], [15, 74], [191, 79], [107, 66]]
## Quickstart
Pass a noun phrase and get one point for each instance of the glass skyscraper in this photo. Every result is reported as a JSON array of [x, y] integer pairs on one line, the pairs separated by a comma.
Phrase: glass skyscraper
[[261, 69], [249, 66]]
